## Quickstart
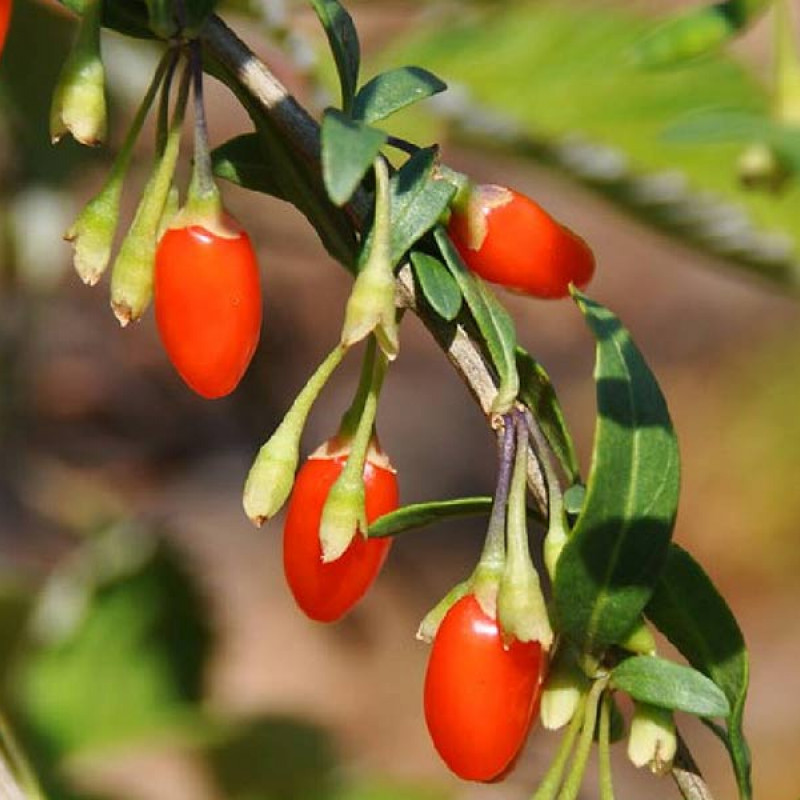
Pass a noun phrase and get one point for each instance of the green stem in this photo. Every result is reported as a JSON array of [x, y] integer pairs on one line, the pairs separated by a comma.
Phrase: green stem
[[548, 788], [162, 120], [270, 479], [203, 197], [557, 529], [363, 433], [132, 275], [123, 160], [485, 579], [572, 785], [352, 416], [604, 748]]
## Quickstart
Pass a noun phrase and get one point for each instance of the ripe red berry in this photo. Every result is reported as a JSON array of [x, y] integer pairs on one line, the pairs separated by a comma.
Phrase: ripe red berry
[[208, 305], [480, 698], [507, 238], [327, 591]]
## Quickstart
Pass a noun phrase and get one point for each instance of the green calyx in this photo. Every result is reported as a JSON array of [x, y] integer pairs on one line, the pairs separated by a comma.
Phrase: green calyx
[[564, 689], [653, 740], [271, 477], [132, 274], [521, 609], [371, 307], [344, 513], [79, 104], [92, 233]]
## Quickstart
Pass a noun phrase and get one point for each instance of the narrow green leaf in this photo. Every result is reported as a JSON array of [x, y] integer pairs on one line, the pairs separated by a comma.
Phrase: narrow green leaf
[[242, 161], [348, 150], [696, 32], [129, 19], [690, 612], [390, 91], [611, 563], [537, 393], [343, 39], [669, 685], [493, 321], [437, 284], [419, 198], [418, 515]]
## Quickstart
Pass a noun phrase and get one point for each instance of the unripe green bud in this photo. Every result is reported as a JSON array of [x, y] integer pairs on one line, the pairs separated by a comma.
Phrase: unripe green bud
[[92, 233], [565, 686], [371, 306], [79, 103], [653, 740]]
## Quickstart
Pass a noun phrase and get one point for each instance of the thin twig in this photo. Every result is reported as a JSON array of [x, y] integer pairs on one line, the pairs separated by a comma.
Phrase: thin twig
[[686, 775]]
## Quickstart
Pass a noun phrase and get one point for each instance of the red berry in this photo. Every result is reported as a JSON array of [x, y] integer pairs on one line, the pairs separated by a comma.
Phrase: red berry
[[507, 238], [480, 698], [5, 18], [208, 305], [327, 591]]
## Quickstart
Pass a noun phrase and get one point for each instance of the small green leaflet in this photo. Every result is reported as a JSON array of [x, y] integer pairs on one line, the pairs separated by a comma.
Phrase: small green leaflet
[[691, 613], [669, 685], [242, 161], [612, 561], [537, 393], [694, 33], [418, 515], [395, 89], [348, 150], [419, 197], [437, 284], [493, 321], [343, 39]]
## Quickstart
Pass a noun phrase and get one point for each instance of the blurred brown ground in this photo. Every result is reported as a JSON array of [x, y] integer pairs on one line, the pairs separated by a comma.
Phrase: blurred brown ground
[[104, 407]]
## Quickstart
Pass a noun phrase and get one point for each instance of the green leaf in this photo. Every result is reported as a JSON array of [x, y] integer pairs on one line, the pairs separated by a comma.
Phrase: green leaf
[[694, 33], [129, 19], [537, 393], [242, 161], [348, 150], [669, 685], [690, 612], [437, 284], [419, 198], [493, 321], [390, 91], [418, 515], [343, 39], [611, 563], [131, 666]]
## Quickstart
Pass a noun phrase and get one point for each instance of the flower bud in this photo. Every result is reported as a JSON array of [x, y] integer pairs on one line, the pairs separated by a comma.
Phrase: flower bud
[[561, 697], [640, 640], [652, 739], [79, 103], [762, 168], [371, 307], [269, 482], [92, 233]]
